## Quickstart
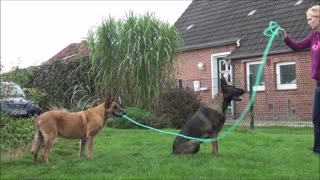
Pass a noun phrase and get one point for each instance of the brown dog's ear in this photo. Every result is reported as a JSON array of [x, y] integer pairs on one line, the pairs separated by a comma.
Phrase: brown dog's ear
[[109, 100]]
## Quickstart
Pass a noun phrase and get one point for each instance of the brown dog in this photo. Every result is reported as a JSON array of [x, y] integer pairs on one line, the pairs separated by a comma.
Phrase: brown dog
[[83, 125]]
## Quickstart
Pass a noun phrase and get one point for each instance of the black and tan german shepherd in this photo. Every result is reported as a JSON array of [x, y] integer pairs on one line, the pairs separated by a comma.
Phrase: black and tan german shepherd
[[207, 121]]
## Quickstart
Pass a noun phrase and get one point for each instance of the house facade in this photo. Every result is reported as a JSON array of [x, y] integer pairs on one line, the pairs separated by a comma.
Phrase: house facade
[[225, 38]]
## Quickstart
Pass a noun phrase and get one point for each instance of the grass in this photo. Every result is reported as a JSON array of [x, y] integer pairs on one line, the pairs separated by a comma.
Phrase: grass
[[145, 154]]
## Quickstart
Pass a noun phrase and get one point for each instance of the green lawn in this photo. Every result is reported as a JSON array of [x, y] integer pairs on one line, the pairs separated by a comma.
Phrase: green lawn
[[145, 154]]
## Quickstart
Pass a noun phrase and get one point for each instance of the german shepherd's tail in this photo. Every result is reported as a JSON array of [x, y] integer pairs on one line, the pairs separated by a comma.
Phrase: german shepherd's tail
[[37, 140]]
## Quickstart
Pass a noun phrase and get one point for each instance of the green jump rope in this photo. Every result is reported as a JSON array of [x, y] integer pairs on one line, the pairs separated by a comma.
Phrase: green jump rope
[[271, 32]]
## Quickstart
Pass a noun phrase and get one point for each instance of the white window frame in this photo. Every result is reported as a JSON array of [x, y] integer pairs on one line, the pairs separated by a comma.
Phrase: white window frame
[[228, 71], [284, 86], [255, 88], [214, 71], [215, 77]]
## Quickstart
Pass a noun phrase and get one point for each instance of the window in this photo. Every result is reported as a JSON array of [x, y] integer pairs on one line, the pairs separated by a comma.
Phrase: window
[[252, 68], [225, 70], [286, 76]]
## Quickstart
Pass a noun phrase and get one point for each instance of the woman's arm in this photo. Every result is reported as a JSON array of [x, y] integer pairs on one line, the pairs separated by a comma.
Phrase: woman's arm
[[299, 45]]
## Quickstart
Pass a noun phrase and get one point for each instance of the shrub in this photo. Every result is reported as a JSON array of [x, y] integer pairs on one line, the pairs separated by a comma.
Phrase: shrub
[[35, 94], [16, 133], [177, 105], [19, 76], [138, 115], [5, 118], [58, 81]]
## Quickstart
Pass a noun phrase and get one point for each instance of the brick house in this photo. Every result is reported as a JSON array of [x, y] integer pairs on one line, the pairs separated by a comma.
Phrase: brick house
[[225, 37]]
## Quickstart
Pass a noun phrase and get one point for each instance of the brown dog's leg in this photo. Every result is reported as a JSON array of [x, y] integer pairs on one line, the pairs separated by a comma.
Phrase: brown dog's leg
[[48, 146], [37, 149], [214, 144], [36, 145], [90, 147], [82, 147], [49, 139]]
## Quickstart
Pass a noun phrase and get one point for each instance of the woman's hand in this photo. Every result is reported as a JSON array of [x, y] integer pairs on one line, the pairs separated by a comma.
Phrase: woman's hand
[[282, 32]]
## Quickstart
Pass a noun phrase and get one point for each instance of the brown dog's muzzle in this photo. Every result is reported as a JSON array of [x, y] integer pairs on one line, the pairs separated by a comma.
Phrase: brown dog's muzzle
[[118, 112]]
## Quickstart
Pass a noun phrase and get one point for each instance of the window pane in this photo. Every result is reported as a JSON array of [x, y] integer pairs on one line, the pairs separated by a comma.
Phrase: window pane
[[254, 70], [222, 66], [288, 74]]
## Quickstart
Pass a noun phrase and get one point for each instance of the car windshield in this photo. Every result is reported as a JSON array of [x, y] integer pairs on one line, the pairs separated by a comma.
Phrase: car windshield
[[11, 90]]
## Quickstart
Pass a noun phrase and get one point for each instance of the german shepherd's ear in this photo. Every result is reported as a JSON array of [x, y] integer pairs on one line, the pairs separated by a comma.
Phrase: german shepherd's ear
[[223, 84]]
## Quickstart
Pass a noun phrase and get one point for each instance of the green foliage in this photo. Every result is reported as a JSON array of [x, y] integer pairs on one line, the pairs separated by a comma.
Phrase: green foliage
[[4, 119], [177, 105], [15, 132], [83, 98], [134, 58], [19, 76], [60, 81], [34, 94], [139, 115]]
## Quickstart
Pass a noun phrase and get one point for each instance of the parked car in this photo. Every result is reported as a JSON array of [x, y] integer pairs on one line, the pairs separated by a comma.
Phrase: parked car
[[14, 102]]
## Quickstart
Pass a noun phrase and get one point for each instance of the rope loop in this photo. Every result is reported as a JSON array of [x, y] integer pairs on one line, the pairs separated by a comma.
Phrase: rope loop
[[272, 30]]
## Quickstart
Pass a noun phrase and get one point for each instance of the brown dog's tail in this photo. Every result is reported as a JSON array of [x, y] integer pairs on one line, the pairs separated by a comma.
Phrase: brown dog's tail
[[37, 139]]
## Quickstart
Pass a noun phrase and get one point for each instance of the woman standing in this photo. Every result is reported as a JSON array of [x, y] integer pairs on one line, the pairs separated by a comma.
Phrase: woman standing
[[312, 41]]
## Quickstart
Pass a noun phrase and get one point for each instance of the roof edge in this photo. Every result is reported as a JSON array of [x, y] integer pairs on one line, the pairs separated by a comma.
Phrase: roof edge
[[211, 44], [259, 54]]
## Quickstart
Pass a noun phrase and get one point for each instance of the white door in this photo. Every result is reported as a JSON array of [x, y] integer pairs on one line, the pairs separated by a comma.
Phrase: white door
[[215, 71], [220, 66], [225, 70]]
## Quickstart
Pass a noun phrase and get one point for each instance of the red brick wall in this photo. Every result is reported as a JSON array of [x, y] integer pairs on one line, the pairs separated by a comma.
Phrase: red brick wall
[[280, 104], [187, 69], [269, 104]]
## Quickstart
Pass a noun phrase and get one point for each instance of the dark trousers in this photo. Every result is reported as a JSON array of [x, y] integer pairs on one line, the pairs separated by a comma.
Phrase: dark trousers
[[316, 118]]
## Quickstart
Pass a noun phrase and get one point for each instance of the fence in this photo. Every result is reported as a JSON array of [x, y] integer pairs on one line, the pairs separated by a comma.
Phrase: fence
[[273, 109]]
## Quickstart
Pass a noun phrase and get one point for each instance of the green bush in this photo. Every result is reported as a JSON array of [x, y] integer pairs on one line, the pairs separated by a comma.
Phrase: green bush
[[177, 105], [19, 76], [4, 119], [139, 115], [34, 94], [59, 81], [15, 133]]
